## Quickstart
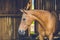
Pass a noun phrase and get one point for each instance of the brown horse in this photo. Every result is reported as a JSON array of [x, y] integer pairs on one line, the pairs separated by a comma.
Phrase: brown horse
[[46, 20]]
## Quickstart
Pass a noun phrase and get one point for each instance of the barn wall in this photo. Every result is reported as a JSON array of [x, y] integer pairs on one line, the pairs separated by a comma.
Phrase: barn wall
[[45, 4], [9, 20], [5, 28]]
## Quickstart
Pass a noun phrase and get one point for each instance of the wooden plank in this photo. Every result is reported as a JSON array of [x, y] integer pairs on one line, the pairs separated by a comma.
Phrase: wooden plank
[[10, 14], [5, 28]]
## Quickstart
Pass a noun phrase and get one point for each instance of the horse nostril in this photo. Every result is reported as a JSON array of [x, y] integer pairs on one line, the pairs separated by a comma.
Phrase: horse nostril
[[21, 32]]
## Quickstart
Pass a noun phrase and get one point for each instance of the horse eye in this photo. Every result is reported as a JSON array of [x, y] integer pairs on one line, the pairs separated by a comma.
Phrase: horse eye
[[24, 19]]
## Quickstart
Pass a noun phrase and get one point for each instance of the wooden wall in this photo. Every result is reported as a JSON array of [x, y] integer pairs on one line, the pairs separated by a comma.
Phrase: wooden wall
[[10, 17], [45, 4], [5, 28]]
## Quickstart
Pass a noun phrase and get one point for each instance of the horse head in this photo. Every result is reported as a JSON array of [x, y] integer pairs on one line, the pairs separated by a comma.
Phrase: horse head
[[26, 21]]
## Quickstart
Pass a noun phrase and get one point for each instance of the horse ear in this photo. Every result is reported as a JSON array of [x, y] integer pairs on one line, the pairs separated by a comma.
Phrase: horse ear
[[24, 11], [21, 10]]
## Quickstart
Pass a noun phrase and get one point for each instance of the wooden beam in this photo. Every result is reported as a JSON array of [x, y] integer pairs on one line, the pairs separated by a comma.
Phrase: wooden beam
[[10, 14]]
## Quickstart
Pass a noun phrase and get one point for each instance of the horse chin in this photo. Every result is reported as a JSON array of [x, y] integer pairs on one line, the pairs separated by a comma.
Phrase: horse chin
[[21, 32]]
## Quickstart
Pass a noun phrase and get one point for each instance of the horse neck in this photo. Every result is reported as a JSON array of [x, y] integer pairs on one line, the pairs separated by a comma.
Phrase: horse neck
[[36, 17]]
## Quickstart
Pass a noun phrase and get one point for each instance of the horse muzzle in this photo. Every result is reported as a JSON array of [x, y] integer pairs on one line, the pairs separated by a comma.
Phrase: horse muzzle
[[21, 32]]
